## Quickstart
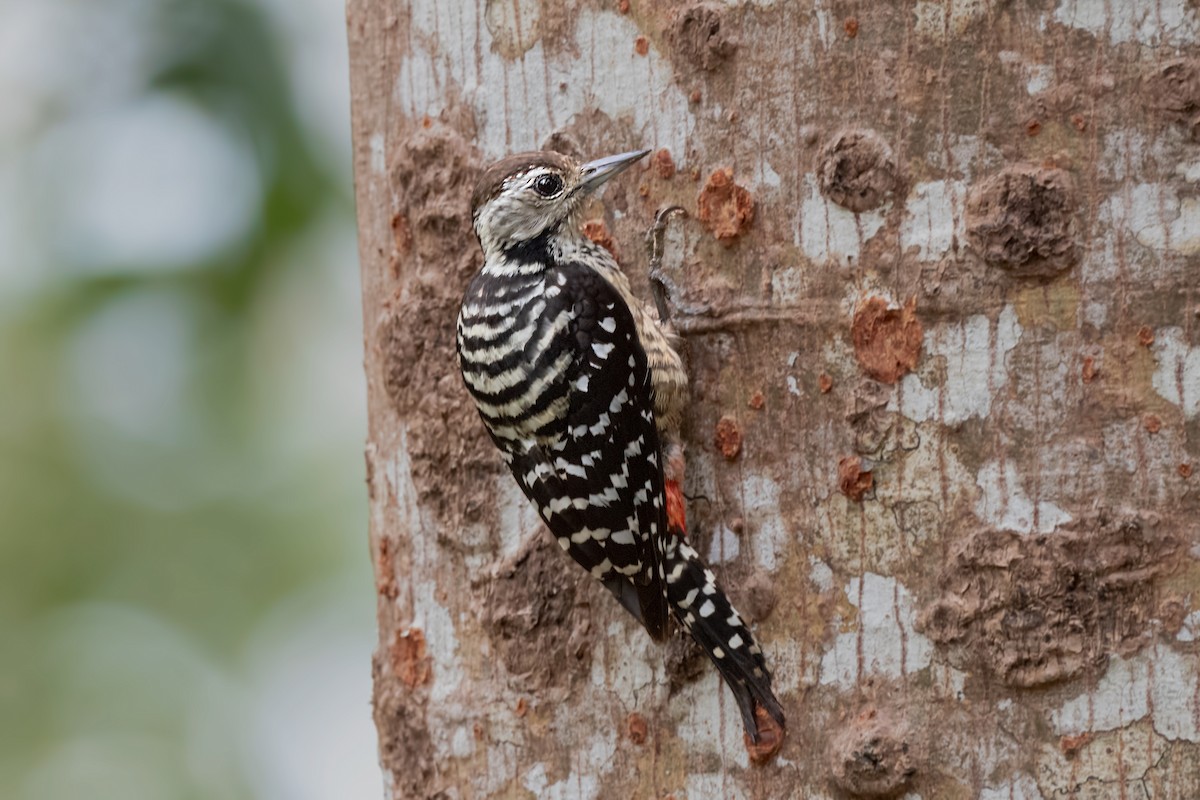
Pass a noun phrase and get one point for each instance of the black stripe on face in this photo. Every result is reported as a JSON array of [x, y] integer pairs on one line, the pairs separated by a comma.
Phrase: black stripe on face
[[535, 250]]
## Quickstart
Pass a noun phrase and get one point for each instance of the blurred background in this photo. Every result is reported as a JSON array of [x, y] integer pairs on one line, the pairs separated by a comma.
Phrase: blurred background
[[186, 604]]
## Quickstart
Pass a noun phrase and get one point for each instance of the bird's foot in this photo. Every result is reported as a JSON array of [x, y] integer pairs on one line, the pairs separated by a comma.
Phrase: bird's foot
[[654, 246]]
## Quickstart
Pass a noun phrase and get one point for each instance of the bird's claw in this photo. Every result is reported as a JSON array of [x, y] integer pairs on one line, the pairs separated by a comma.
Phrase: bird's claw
[[654, 245]]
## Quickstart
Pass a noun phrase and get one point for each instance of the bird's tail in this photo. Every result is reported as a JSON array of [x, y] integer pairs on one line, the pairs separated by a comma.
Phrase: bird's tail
[[702, 608]]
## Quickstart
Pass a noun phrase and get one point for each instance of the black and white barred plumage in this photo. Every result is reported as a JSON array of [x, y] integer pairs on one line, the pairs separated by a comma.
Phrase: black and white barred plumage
[[554, 350], [567, 404]]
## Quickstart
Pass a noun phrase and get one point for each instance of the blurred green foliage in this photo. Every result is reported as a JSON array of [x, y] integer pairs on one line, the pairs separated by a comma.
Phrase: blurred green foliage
[[140, 560]]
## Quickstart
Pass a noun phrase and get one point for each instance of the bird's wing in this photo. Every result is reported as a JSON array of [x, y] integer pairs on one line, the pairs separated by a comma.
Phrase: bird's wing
[[598, 482]]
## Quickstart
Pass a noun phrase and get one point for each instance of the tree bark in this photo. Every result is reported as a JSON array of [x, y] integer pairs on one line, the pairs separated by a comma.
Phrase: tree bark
[[938, 287]]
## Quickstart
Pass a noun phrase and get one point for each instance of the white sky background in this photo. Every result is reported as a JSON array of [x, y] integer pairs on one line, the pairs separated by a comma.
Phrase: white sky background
[[99, 176]]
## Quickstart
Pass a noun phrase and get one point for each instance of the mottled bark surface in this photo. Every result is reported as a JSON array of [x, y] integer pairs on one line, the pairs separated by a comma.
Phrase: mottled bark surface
[[940, 283]]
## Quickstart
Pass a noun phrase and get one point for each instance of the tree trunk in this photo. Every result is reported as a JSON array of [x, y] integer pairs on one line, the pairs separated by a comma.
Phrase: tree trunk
[[938, 286]]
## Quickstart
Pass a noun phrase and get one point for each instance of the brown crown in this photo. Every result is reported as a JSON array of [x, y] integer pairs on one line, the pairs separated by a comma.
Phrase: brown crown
[[491, 181]]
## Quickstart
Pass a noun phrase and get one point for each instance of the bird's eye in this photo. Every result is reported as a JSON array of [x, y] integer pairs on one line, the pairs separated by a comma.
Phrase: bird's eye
[[548, 185]]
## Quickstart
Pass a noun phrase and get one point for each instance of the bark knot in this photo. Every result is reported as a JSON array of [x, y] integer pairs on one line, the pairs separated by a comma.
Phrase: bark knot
[[1032, 610], [871, 756], [856, 170], [1022, 219]]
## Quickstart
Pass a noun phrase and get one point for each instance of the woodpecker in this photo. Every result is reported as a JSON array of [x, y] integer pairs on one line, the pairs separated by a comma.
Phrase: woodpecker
[[582, 390]]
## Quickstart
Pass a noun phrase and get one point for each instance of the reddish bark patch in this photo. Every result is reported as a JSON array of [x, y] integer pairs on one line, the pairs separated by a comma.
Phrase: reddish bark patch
[[641, 45], [757, 401], [1080, 122], [699, 38], [662, 164], [887, 341], [1033, 127], [1152, 423], [853, 480], [695, 96], [1071, 745], [1022, 219], [623, 6], [1089, 370], [824, 383], [1145, 336], [770, 737], [871, 757], [1032, 610], [725, 208], [850, 26], [385, 571], [521, 708], [856, 170], [728, 438], [597, 231], [409, 661], [676, 507], [636, 728], [531, 619], [406, 747], [1185, 471]]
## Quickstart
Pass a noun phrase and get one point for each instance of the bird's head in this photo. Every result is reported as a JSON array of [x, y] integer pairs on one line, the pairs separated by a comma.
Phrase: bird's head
[[530, 195]]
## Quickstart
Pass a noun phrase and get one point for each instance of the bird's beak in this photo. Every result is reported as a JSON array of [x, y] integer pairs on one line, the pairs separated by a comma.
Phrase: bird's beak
[[594, 173]]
